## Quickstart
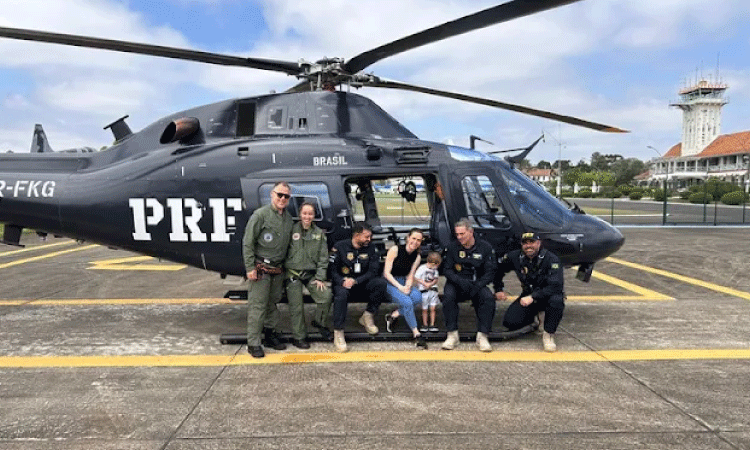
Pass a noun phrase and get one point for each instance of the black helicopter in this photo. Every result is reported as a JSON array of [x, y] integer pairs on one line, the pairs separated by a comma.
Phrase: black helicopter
[[183, 188]]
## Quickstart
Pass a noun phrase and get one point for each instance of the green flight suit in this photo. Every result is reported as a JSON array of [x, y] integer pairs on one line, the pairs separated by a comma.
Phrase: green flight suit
[[307, 261], [266, 239]]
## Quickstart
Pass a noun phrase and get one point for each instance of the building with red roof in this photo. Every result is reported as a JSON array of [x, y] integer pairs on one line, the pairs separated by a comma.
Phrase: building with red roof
[[704, 152]]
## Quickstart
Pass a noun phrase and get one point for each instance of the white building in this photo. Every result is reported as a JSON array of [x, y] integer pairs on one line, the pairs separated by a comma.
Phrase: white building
[[541, 176], [704, 152]]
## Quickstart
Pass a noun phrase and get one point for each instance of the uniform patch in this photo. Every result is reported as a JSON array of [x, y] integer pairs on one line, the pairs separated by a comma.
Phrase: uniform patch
[[477, 256], [350, 256], [345, 270], [462, 254], [364, 256], [458, 267], [295, 237], [268, 237], [555, 265]]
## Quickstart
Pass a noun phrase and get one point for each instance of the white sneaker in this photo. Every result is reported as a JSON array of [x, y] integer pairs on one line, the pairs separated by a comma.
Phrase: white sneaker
[[483, 343], [548, 340], [451, 341], [339, 341], [367, 321]]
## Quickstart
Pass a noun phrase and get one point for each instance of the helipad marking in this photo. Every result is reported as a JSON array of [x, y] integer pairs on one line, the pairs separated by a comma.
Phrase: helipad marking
[[684, 279], [118, 301], [45, 256], [644, 294], [123, 264], [368, 356], [35, 247]]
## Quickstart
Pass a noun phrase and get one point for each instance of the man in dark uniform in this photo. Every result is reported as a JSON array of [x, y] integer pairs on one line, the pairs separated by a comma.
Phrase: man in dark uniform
[[355, 272], [469, 268], [541, 276]]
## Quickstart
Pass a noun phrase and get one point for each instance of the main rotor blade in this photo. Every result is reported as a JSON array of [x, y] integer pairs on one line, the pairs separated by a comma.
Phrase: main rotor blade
[[501, 13], [379, 82], [291, 68]]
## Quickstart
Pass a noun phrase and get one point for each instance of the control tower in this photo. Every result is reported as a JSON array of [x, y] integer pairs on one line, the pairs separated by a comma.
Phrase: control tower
[[701, 115]]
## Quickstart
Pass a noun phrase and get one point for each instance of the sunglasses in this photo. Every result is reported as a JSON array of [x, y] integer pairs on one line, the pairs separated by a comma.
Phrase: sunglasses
[[280, 195]]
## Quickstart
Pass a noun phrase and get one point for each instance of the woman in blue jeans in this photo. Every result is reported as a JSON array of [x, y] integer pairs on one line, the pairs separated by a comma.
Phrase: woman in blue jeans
[[401, 263]]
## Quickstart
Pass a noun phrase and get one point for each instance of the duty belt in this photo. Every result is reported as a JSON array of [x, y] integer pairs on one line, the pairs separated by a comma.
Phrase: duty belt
[[265, 267]]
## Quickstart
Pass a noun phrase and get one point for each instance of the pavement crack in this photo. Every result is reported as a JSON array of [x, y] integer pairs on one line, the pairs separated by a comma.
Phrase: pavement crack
[[197, 403]]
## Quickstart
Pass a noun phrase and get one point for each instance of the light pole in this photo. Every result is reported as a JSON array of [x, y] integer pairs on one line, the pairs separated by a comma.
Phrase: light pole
[[559, 162], [666, 179]]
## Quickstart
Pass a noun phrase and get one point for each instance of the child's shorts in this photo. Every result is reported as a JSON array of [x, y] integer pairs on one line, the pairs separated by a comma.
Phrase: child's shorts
[[429, 298]]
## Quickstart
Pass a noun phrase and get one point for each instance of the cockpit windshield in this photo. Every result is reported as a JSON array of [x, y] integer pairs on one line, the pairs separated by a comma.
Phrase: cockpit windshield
[[538, 209]]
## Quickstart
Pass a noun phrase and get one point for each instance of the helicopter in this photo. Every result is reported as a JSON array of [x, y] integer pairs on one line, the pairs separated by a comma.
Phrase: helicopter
[[182, 188]]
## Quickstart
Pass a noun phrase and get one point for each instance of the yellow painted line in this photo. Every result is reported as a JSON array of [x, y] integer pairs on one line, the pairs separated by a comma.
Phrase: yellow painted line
[[369, 357], [45, 256], [119, 301], [616, 298], [643, 294], [35, 247], [124, 264], [684, 279]]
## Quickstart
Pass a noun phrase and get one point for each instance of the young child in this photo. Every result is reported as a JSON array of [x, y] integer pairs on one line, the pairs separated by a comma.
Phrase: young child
[[427, 278]]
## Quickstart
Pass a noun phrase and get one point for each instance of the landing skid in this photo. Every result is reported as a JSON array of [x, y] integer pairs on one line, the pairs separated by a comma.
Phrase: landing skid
[[399, 336]]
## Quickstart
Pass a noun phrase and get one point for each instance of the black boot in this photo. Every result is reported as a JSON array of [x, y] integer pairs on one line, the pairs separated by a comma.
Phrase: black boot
[[272, 340], [325, 333], [256, 351]]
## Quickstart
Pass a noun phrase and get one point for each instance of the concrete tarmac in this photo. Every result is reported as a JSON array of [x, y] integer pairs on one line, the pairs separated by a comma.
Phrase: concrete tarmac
[[105, 349]]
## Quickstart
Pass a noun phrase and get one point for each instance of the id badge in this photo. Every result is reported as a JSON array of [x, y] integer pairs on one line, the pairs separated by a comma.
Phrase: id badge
[[357, 267]]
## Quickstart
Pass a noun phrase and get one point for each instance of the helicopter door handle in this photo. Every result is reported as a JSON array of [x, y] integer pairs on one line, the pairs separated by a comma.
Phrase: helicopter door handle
[[243, 151]]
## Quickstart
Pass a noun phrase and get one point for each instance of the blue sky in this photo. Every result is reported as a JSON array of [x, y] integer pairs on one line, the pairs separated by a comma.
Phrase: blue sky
[[617, 62]]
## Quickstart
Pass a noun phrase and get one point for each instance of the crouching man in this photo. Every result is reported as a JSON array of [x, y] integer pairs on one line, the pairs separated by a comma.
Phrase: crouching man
[[541, 276]]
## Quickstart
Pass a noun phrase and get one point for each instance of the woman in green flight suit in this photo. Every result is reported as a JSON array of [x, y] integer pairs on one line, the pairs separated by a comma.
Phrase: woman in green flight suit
[[306, 265]]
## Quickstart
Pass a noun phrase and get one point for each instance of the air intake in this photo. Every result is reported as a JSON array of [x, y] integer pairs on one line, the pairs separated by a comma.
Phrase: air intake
[[411, 155]]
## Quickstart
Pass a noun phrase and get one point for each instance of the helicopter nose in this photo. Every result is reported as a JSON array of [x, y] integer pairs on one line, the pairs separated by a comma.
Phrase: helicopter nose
[[611, 240], [602, 238]]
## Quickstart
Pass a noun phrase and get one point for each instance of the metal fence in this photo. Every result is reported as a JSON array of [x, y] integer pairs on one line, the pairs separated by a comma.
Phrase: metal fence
[[667, 211]]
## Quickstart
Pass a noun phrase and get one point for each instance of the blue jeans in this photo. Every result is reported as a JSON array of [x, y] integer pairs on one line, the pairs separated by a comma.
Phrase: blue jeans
[[405, 302]]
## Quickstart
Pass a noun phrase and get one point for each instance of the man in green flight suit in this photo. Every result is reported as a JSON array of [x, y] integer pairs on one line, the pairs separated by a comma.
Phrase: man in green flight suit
[[306, 265], [264, 249]]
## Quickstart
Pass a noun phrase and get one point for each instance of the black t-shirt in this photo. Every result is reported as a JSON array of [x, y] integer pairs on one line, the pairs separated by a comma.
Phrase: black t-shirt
[[404, 261]]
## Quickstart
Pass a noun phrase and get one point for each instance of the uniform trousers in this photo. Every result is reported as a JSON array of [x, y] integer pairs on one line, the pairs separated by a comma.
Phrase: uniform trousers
[[483, 303], [322, 299], [262, 297], [373, 291], [517, 316]]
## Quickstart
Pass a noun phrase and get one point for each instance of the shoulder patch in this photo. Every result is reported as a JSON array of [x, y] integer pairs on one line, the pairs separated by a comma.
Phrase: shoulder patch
[[555, 265]]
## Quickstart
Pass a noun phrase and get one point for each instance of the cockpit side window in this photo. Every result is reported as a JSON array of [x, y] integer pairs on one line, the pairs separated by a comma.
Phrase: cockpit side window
[[482, 203], [537, 208]]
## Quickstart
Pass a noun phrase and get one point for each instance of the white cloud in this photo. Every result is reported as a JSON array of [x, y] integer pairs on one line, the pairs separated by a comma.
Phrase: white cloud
[[588, 59]]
